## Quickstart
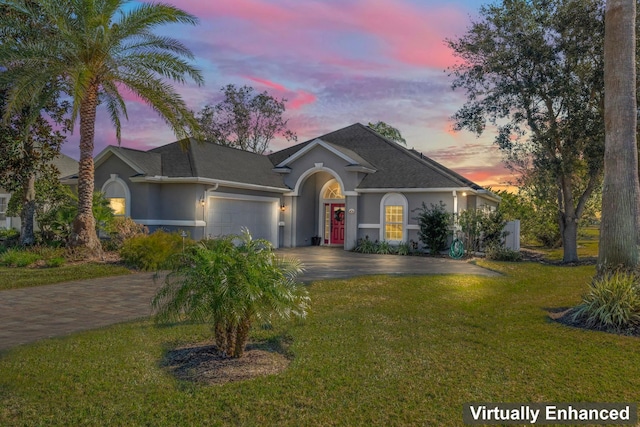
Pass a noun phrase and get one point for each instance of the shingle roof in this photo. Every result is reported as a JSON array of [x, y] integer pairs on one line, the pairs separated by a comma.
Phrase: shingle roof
[[188, 158], [396, 166], [66, 165]]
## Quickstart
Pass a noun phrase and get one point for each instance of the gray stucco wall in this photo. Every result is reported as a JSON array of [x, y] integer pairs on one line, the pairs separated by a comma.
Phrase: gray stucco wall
[[329, 160]]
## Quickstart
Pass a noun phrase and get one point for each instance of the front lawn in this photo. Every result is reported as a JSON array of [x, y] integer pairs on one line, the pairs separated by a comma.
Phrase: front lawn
[[374, 351], [22, 277]]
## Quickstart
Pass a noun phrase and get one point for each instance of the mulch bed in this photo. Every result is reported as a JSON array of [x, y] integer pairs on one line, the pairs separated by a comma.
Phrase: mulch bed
[[564, 315], [203, 363]]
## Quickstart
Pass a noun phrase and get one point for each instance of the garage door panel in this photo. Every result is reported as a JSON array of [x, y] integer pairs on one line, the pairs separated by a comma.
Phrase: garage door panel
[[229, 216]]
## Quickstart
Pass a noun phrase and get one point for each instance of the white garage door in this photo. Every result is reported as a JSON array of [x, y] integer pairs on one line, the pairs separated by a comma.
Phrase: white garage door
[[227, 215]]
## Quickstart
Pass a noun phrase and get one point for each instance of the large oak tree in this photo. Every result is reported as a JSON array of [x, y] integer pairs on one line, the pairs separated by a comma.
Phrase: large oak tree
[[534, 70], [97, 49]]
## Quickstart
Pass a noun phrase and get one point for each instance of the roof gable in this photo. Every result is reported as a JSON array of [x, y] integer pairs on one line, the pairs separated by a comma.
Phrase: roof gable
[[396, 166], [349, 156]]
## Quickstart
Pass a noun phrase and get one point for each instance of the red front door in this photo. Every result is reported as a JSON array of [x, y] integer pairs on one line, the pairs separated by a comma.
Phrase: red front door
[[337, 223]]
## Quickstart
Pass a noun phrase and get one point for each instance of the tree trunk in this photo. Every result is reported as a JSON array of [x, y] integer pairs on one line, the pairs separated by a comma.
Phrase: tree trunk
[[231, 340], [84, 225], [242, 337], [220, 337], [27, 212], [569, 239], [620, 193]]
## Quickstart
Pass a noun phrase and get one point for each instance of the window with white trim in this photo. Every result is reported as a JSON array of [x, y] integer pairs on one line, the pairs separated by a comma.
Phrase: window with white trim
[[4, 203], [117, 193], [393, 222], [393, 213]]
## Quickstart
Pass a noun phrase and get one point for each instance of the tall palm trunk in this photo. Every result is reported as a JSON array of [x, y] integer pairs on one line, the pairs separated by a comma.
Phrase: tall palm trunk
[[84, 225], [620, 193]]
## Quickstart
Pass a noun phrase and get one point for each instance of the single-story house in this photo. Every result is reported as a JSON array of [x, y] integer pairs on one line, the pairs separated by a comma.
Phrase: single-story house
[[337, 188]]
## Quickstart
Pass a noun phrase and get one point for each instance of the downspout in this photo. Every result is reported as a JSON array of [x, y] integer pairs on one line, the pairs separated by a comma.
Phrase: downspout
[[455, 210], [206, 205]]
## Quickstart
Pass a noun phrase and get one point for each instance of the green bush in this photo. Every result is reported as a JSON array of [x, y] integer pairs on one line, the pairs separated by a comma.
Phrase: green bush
[[232, 282], [385, 248], [151, 252], [18, 258], [121, 229], [435, 224], [403, 248], [482, 228], [54, 262], [366, 246], [499, 253], [612, 303]]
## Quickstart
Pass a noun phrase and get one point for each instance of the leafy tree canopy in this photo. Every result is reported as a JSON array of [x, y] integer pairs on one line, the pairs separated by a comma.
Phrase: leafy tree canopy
[[534, 70], [388, 132], [245, 120], [91, 51]]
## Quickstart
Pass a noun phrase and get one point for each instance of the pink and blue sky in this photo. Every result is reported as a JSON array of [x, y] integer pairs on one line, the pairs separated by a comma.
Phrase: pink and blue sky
[[337, 62]]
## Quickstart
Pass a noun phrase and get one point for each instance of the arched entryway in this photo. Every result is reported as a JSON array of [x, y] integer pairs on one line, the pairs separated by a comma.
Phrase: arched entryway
[[319, 214], [332, 216]]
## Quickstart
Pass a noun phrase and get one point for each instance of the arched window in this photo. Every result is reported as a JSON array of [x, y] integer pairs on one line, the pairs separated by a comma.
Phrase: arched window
[[117, 193], [393, 213], [333, 191]]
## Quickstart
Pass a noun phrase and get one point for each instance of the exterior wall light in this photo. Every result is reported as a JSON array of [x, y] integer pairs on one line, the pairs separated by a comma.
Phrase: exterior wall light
[[282, 207]]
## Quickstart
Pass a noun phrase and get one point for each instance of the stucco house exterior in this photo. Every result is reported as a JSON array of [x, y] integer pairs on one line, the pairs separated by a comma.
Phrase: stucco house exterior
[[348, 184]]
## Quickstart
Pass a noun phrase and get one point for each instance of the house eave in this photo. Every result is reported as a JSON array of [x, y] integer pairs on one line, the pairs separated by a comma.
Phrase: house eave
[[417, 190], [207, 181], [359, 168]]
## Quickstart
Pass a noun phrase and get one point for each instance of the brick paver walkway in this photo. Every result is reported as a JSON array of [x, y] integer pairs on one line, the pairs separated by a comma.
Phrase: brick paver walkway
[[31, 314]]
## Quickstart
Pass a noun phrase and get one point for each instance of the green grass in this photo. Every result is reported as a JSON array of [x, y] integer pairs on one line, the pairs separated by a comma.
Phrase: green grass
[[588, 239], [13, 278], [374, 351]]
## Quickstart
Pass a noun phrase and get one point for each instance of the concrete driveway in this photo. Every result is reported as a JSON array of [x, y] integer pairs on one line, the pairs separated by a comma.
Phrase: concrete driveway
[[335, 263], [32, 314]]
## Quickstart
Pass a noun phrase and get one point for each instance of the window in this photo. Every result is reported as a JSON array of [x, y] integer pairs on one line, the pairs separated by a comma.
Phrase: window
[[333, 191], [4, 201], [118, 205], [393, 217], [393, 222], [117, 193]]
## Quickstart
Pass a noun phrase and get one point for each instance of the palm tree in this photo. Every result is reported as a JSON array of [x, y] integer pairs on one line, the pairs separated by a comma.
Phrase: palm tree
[[231, 282], [97, 49], [620, 194]]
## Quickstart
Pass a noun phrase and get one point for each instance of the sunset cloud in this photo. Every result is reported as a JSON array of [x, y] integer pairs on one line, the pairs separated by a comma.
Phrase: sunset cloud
[[336, 62]]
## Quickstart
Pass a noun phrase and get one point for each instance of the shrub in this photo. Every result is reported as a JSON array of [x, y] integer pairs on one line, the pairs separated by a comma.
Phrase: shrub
[[384, 248], [500, 253], [18, 258], [122, 228], [151, 252], [366, 246], [231, 282], [483, 229], [54, 262], [9, 234], [612, 303], [403, 249], [434, 223]]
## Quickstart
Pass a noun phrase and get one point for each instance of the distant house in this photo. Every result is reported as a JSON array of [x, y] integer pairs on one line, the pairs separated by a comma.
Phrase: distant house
[[67, 167], [338, 187]]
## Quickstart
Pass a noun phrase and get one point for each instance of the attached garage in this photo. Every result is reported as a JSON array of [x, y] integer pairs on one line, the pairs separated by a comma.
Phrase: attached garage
[[229, 213]]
